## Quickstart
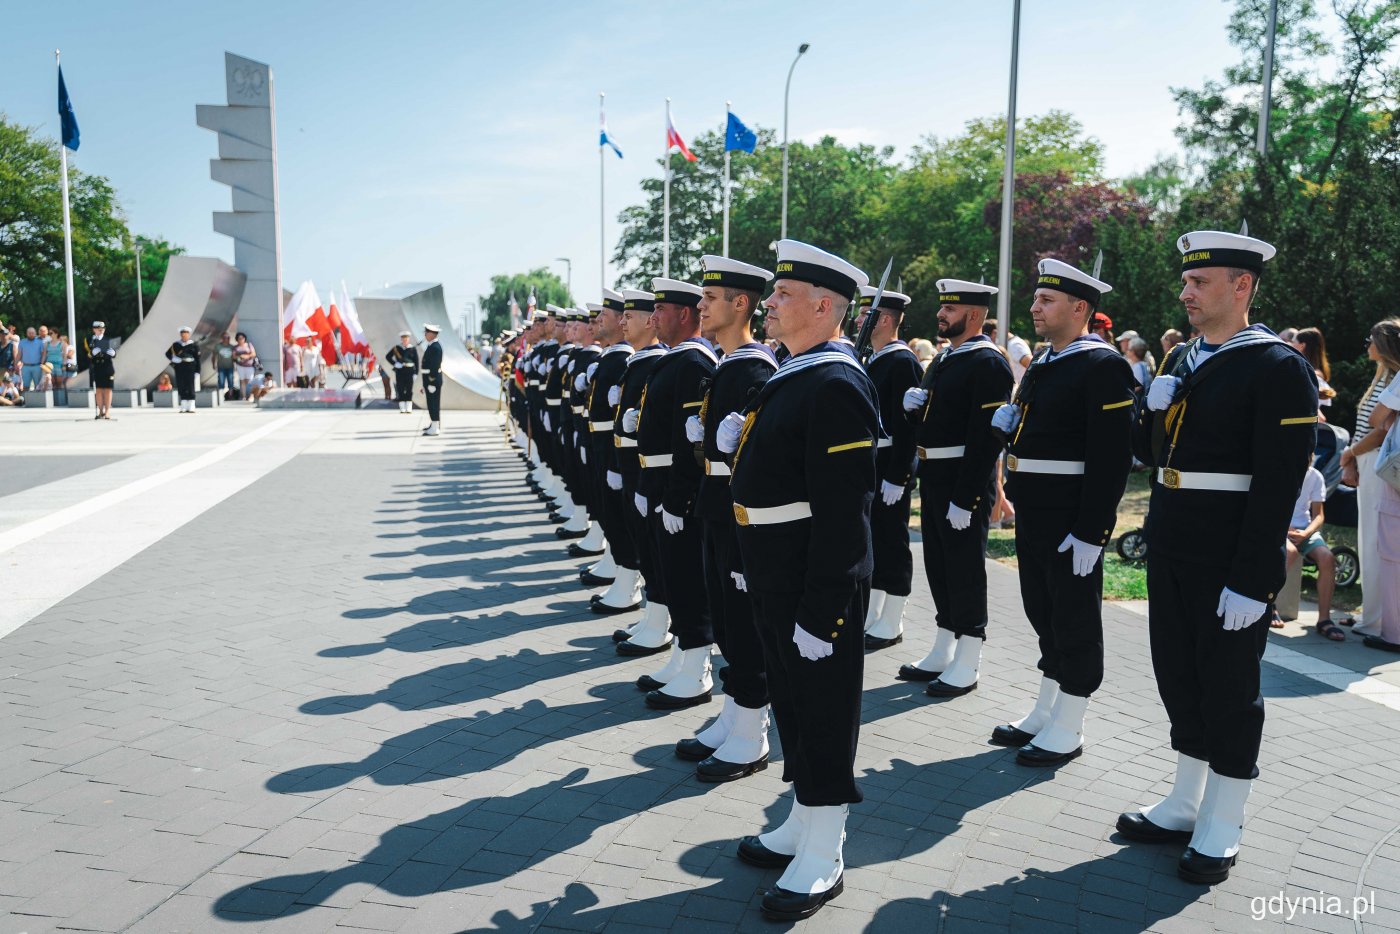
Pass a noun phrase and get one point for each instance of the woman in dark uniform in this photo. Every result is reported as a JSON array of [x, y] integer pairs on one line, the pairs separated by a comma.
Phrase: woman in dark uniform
[[102, 368], [404, 359], [184, 354]]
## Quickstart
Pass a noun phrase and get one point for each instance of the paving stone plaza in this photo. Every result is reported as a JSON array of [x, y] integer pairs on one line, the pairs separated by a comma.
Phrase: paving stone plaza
[[310, 671]]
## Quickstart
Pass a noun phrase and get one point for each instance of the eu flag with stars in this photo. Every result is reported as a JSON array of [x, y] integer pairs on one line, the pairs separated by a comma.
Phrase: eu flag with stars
[[65, 113], [738, 136]]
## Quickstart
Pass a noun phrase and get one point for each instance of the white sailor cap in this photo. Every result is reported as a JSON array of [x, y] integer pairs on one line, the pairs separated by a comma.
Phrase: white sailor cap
[[731, 274], [1218, 248], [637, 300], [429, 326], [186, 329], [405, 334], [676, 292], [963, 292], [806, 263], [890, 301], [98, 324], [593, 309], [613, 300], [552, 310], [1062, 277]]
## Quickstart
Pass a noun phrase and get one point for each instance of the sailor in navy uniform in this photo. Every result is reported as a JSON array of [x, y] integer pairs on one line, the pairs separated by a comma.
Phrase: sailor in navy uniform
[[894, 369], [184, 356], [618, 568], [403, 357], [102, 369], [574, 509], [803, 480], [650, 634], [432, 378], [1228, 429], [952, 408], [542, 479], [1069, 458], [667, 487], [551, 417], [735, 744], [584, 362]]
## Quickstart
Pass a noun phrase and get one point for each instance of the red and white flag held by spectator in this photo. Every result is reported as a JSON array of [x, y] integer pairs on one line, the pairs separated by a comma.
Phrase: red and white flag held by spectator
[[296, 319]]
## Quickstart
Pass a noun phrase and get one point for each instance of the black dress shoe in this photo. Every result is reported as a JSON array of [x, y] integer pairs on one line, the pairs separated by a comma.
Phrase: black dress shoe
[[604, 609], [782, 905], [753, 852], [633, 650], [1203, 870], [875, 643], [621, 635], [588, 579], [1135, 825], [566, 534], [715, 771], [940, 689], [578, 551], [648, 683], [656, 700], [1033, 755], [1008, 735], [692, 750], [915, 673], [558, 519]]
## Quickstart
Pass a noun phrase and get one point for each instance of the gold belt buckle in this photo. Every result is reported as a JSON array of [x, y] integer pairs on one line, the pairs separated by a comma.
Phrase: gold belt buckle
[[1011, 462], [923, 453], [617, 442], [707, 467], [741, 515], [1171, 478]]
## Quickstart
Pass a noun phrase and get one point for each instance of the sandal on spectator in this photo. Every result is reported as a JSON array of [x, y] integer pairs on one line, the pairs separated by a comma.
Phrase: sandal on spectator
[[1276, 622], [1376, 642], [1347, 621], [1330, 630]]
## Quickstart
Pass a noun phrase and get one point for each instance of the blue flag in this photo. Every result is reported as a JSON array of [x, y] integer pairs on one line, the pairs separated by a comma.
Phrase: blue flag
[[605, 140], [738, 136], [65, 113]]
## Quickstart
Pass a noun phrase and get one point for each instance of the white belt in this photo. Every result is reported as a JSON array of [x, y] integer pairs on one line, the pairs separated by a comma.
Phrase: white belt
[[601, 426], [1032, 465], [771, 515], [885, 443], [1174, 479], [553, 401], [937, 454], [716, 469], [621, 442], [533, 382], [576, 409], [654, 460]]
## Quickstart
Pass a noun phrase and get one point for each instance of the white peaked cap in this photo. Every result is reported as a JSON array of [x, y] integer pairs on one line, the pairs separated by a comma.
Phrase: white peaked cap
[[962, 285], [806, 263], [1218, 248], [730, 273], [1063, 277]]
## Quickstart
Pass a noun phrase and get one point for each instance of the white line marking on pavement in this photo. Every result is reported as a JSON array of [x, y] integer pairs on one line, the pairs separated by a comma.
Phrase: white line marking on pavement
[[31, 530]]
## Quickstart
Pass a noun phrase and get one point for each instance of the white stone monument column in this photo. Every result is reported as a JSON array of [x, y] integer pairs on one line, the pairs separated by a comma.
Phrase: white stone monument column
[[247, 163]]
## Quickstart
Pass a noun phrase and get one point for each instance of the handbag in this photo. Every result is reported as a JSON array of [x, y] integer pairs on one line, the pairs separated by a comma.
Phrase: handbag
[[1388, 457]]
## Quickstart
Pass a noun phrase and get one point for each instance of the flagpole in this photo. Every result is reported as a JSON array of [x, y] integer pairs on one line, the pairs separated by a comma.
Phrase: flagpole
[[666, 201], [602, 210], [725, 251], [1261, 143], [67, 228], [1008, 190]]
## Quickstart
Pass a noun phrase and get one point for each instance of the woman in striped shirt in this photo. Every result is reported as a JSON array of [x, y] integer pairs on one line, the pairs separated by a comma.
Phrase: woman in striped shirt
[[1359, 463]]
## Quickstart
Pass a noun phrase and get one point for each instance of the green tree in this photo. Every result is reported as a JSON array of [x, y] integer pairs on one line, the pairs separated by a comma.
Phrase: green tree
[[546, 286]]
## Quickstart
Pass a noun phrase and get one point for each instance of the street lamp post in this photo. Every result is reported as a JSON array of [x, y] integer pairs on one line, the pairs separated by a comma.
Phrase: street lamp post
[[140, 299], [568, 275], [801, 50]]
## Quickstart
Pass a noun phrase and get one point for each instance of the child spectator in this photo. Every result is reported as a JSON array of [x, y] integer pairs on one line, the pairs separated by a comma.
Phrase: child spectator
[[1305, 542]]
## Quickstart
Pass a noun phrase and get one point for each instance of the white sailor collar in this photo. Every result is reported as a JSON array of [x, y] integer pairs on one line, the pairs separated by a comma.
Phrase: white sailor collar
[[695, 343], [754, 350], [1081, 344], [622, 347], [646, 353], [824, 354], [893, 346]]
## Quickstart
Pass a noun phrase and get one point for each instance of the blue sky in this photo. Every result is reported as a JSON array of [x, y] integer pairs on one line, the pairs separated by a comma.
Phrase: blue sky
[[450, 141]]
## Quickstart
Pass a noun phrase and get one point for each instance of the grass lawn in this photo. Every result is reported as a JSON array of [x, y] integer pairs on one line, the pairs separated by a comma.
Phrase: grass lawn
[[1127, 580]]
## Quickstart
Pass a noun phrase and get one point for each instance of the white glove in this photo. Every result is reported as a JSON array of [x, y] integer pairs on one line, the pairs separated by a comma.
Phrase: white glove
[[727, 437], [579, 382], [544, 417], [629, 421], [1237, 610], [591, 368], [1162, 392], [434, 389], [809, 646], [890, 493], [398, 366], [1085, 555], [670, 523], [694, 431], [640, 501], [1006, 418], [958, 517], [614, 480], [914, 398], [583, 454], [739, 581], [614, 395]]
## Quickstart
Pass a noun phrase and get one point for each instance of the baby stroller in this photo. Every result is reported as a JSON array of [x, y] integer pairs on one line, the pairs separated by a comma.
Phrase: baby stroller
[[1339, 507]]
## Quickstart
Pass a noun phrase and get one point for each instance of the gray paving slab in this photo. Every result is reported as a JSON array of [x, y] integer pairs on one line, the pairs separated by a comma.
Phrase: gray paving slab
[[399, 715]]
